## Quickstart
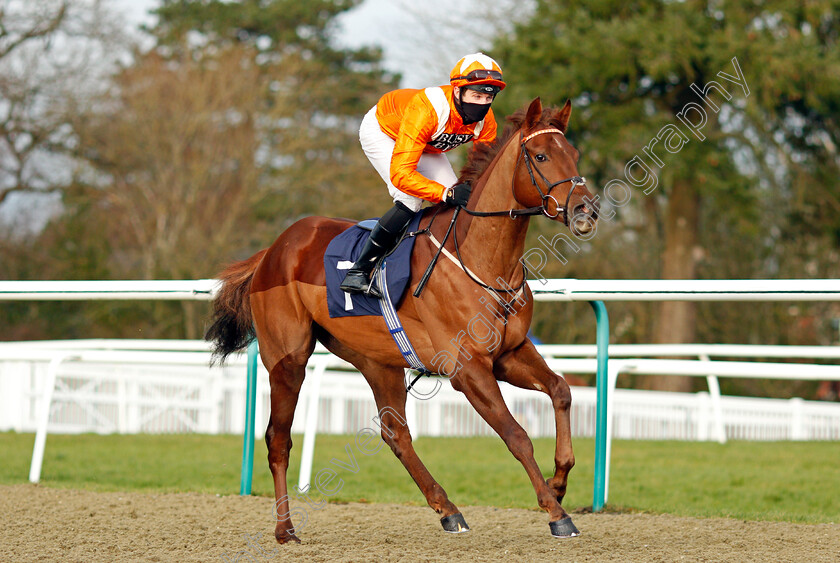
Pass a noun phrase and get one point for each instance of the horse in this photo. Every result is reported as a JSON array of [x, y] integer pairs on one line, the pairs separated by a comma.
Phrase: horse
[[279, 296]]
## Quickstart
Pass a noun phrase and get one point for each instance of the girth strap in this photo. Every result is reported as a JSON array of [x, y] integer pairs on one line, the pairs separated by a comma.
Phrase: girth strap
[[395, 327]]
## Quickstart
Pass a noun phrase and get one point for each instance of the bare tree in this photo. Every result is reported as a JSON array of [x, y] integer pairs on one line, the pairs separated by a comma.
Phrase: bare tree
[[53, 54], [175, 164]]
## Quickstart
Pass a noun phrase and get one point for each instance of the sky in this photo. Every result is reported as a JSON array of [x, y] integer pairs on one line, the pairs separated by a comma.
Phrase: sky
[[413, 45]]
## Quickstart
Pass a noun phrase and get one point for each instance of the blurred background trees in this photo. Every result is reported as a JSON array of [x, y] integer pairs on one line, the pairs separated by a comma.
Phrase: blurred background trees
[[241, 119], [237, 118]]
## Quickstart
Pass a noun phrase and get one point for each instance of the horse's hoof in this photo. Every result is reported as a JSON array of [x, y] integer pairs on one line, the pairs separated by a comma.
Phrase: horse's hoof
[[564, 528], [286, 537], [454, 524]]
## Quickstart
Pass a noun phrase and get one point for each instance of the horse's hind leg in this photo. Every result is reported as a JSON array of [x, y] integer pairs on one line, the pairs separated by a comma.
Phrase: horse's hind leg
[[286, 378], [390, 395], [524, 367], [285, 332], [286, 341]]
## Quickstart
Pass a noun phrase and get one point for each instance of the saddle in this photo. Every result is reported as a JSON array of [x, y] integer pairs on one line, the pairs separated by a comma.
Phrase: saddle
[[342, 253]]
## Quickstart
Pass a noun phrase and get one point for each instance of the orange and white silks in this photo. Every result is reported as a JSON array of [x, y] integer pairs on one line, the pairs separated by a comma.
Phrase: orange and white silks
[[425, 121]]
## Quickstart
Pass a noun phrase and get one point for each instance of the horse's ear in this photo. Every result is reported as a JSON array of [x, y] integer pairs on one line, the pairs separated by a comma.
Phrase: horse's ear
[[532, 117], [565, 113]]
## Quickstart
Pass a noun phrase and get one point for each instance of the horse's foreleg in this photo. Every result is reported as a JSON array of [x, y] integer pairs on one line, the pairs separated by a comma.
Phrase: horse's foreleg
[[390, 395], [524, 367], [286, 379], [482, 391]]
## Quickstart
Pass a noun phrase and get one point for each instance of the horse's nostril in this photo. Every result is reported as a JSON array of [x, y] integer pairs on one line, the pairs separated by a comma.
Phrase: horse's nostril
[[585, 209]]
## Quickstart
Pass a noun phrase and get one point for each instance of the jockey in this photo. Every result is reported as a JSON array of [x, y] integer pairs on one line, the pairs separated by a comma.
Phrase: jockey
[[405, 135]]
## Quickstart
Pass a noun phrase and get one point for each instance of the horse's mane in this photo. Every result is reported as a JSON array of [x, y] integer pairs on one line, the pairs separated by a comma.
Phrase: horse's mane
[[482, 154]]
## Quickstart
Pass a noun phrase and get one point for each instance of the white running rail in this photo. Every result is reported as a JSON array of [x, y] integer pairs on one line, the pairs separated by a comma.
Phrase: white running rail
[[110, 386]]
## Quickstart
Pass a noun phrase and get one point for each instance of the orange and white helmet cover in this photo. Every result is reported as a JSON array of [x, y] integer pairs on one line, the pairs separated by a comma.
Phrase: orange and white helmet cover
[[475, 69]]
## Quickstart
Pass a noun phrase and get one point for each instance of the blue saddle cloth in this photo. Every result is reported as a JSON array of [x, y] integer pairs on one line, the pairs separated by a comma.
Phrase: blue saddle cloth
[[342, 253]]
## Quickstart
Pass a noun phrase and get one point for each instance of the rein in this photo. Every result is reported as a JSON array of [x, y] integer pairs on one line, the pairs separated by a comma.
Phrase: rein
[[495, 291]]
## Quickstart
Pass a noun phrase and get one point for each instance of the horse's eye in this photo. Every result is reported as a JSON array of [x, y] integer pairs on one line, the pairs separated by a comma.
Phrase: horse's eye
[[540, 158]]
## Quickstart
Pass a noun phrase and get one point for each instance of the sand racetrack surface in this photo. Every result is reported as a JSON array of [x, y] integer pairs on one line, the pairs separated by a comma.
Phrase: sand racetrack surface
[[44, 524]]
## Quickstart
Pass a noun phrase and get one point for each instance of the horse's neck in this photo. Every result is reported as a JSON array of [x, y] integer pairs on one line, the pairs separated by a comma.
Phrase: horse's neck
[[492, 246]]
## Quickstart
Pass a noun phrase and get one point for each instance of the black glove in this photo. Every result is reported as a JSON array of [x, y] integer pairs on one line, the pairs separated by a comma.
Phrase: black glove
[[459, 194]]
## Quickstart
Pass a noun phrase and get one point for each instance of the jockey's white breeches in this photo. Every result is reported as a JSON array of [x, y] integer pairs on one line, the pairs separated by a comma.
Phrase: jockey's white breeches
[[379, 147]]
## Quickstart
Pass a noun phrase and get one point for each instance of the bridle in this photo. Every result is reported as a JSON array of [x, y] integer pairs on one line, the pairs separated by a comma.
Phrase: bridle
[[512, 213], [546, 196]]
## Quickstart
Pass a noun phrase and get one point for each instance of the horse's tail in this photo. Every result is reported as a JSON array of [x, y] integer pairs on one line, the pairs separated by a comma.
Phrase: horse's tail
[[233, 327]]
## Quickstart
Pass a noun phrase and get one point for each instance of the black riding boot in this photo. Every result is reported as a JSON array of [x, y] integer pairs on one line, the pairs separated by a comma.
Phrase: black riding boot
[[381, 241]]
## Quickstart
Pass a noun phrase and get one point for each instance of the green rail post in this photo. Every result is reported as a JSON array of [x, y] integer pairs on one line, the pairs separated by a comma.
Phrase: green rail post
[[248, 437], [602, 339]]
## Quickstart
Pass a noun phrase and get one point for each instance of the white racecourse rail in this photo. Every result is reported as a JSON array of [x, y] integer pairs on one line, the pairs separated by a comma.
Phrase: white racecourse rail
[[131, 386], [698, 420], [166, 386]]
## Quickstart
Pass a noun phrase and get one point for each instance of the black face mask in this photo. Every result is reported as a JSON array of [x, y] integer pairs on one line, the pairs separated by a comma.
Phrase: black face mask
[[471, 113]]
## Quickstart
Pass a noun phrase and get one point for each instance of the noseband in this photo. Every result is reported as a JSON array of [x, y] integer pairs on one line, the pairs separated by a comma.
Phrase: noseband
[[545, 196]]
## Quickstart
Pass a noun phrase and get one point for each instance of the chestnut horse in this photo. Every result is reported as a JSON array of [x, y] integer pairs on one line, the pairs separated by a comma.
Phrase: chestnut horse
[[279, 295]]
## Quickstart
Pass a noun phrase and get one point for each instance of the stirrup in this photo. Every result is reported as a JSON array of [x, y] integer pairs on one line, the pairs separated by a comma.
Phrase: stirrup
[[357, 282]]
